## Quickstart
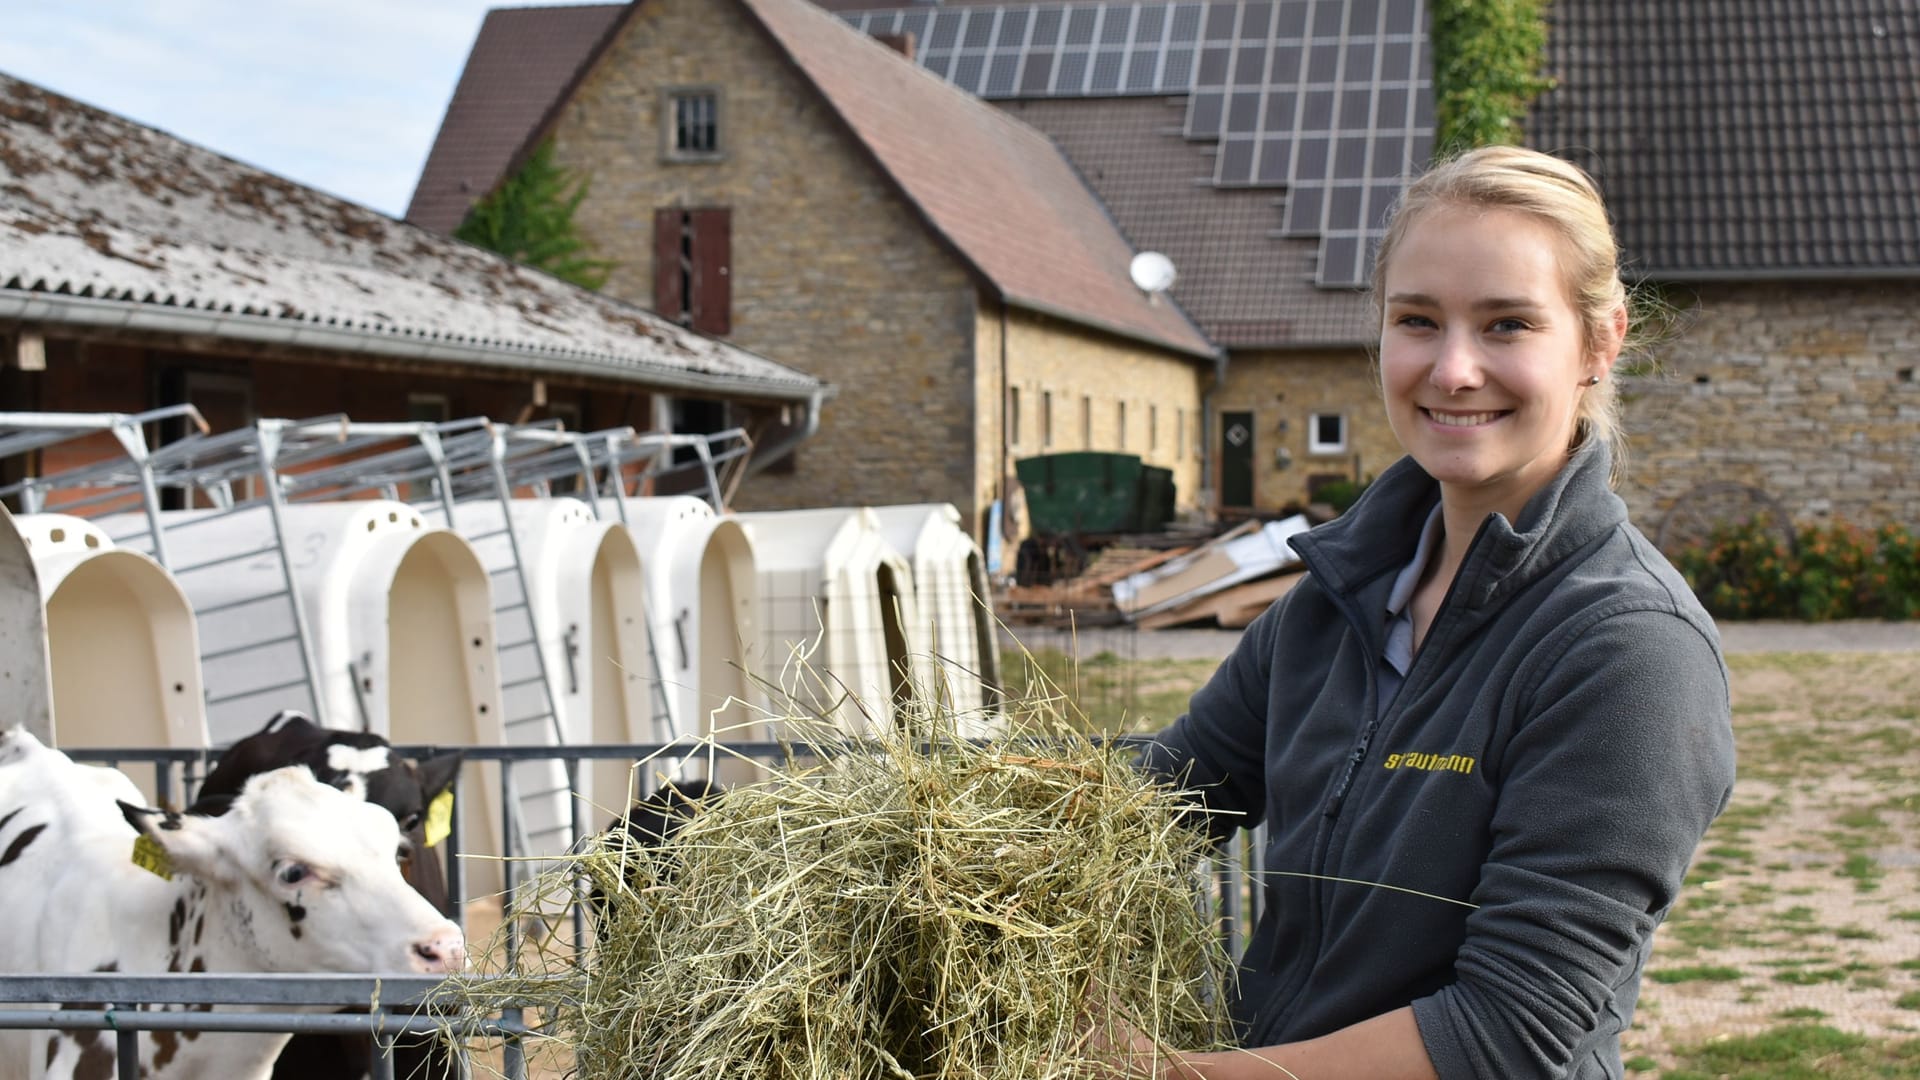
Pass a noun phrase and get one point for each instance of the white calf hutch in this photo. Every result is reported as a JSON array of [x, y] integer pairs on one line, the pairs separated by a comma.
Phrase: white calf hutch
[[950, 586], [704, 602], [121, 644], [587, 591], [840, 627]]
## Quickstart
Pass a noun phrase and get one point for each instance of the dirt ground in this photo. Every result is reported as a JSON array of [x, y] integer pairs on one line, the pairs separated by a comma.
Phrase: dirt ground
[[1804, 901]]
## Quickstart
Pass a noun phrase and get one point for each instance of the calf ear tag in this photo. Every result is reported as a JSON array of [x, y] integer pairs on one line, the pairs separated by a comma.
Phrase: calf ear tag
[[148, 855], [439, 818]]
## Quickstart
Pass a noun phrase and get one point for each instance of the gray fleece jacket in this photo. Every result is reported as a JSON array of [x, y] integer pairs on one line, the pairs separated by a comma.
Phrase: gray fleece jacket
[[1560, 744]]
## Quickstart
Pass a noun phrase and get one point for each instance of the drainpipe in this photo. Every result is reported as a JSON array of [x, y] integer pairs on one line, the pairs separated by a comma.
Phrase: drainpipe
[[765, 454], [1006, 462], [1209, 446]]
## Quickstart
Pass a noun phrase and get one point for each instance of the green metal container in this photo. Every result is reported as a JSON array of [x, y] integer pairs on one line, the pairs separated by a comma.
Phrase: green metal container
[[1094, 492]]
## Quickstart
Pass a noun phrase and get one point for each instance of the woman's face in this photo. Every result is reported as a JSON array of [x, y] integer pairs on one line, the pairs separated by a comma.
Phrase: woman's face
[[1482, 355]]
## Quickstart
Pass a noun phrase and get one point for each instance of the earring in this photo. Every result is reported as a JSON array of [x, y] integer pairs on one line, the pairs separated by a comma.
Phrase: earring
[[1591, 380]]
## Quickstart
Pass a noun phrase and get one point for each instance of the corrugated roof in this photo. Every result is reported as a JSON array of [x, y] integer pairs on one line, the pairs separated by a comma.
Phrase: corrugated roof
[[522, 60], [999, 190], [1744, 138], [1247, 287], [112, 222]]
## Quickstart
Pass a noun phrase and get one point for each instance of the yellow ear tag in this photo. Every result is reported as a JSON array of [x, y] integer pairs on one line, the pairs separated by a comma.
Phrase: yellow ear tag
[[439, 818], [148, 855]]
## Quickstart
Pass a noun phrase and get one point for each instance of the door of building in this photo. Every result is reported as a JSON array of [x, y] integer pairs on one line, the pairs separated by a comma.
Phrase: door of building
[[1236, 460]]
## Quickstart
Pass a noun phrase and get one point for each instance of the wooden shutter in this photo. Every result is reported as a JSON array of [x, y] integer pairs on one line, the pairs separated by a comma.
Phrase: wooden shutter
[[712, 300], [667, 300]]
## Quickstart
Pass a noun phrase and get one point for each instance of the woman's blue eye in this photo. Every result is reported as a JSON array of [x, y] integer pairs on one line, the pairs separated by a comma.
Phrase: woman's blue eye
[[1508, 326]]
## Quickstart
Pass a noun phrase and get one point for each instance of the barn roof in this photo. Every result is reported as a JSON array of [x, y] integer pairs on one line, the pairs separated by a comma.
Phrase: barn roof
[[108, 223], [1742, 139]]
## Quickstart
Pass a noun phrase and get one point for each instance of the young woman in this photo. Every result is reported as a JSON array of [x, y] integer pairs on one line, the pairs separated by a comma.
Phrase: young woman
[[1488, 730]]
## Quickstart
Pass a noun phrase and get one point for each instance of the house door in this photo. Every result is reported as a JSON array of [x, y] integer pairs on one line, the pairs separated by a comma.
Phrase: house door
[[1236, 460]]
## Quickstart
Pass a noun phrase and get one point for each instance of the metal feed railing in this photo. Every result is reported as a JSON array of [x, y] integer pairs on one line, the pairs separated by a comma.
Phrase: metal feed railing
[[129, 1004]]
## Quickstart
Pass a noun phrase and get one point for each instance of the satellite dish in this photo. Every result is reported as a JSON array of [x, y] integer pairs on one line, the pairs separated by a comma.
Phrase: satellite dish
[[1152, 272]]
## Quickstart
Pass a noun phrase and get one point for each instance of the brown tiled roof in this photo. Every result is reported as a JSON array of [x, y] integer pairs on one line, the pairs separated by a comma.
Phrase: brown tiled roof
[[521, 62], [1245, 286], [1745, 138], [1001, 192]]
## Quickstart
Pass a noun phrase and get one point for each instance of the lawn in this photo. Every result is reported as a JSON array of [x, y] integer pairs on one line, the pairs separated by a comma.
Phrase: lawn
[[1795, 950]]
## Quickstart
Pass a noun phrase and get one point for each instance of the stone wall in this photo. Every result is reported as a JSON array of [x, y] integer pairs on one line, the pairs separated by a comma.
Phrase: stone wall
[[1805, 391], [832, 271], [1088, 378], [1283, 390]]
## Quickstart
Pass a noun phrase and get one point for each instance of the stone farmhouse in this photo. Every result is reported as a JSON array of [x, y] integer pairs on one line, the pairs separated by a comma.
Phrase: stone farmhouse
[[1759, 158], [138, 271], [760, 170]]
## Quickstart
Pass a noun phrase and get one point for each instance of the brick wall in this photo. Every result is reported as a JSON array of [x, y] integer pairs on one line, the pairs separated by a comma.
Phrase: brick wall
[[1807, 391], [1283, 390], [1089, 376], [831, 271]]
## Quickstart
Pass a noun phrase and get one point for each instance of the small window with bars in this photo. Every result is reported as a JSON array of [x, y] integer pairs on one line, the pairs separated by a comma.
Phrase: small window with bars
[[693, 124]]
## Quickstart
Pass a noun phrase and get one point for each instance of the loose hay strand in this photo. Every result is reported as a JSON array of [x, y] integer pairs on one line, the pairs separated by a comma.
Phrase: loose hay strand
[[912, 907]]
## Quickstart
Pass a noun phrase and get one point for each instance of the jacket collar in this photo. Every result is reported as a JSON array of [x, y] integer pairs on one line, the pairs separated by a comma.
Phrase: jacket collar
[[1377, 536]]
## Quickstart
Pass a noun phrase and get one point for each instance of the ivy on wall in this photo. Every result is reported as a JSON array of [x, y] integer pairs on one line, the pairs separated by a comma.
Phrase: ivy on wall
[[1488, 62], [529, 219]]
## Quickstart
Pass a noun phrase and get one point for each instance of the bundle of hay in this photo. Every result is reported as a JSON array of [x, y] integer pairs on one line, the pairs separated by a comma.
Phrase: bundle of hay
[[899, 911]]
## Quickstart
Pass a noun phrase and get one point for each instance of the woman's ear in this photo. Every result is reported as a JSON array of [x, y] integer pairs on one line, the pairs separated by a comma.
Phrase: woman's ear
[[1616, 339]]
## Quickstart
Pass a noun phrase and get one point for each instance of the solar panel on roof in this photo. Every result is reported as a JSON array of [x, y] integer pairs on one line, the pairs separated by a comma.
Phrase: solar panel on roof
[[1328, 99]]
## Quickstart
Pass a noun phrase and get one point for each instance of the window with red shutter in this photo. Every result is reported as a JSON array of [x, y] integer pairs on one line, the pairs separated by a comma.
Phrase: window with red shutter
[[692, 268]]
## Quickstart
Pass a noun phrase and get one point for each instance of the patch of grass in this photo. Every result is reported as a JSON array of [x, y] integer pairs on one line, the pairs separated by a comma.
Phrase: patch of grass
[[1908, 1001], [1865, 871], [1810, 976], [1696, 973], [1730, 853], [1798, 1052], [1906, 916], [1803, 1012], [1640, 1064], [1856, 933]]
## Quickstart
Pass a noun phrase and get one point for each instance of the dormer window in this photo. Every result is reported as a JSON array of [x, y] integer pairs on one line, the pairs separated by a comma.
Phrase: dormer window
[[692, 124]]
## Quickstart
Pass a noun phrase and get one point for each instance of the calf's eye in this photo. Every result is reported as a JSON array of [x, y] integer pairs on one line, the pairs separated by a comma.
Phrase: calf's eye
[[294, 873]]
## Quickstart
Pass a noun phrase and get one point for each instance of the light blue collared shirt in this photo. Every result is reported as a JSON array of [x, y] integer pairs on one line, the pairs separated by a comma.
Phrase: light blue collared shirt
[[1399, 651]]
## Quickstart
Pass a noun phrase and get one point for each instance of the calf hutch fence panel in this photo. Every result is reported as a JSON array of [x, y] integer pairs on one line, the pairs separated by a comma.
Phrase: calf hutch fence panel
[[26, 679]]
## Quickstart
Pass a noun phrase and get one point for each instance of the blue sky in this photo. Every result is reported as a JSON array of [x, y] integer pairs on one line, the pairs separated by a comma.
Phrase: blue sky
[[340, 95]]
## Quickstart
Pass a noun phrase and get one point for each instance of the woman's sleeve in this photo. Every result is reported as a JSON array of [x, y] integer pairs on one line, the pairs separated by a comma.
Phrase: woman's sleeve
[[1218, 749], [1621, 757]]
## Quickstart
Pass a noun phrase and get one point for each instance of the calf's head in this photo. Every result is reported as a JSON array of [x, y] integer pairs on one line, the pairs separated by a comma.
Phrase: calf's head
[[308, 878]]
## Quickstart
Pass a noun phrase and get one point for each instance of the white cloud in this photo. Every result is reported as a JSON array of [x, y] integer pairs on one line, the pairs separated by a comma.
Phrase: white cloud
[[341, 95]]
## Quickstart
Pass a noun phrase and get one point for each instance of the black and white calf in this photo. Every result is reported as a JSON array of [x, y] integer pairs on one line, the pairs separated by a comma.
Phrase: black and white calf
[[295, 876], [349, 760], [355, 762]]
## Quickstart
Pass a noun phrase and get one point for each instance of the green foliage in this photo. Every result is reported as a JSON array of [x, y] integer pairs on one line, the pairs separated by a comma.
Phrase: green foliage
[[1340, 494], [1835, 571], [529, 219], [1488, 58]]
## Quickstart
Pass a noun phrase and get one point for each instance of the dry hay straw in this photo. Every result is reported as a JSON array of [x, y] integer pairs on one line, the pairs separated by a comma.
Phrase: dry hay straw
[[901, 908]]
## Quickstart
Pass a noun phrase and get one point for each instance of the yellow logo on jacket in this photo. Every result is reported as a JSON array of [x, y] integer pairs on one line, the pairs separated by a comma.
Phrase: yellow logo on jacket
[[1459, 763]]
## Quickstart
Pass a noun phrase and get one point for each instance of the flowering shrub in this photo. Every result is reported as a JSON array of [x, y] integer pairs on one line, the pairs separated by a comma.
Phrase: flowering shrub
[[1745, 570]]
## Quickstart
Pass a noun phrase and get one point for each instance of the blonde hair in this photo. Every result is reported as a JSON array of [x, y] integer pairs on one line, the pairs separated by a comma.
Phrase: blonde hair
[[1564, 197]]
